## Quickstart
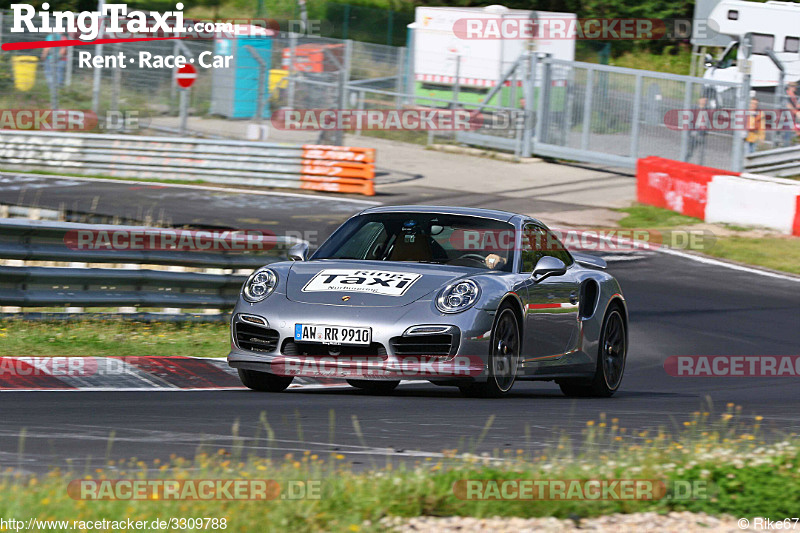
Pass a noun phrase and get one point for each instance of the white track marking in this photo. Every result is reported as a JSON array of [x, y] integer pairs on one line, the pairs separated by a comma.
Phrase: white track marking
[[701, 259], [725, 264]]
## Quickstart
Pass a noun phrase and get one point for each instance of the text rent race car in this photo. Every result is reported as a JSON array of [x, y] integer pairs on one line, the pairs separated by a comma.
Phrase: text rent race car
[[473, 298]]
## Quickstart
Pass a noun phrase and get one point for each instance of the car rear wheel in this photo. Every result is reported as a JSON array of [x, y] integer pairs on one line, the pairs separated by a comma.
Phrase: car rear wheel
[[610, 361], [375, 387], [503, 358], [264, 381]]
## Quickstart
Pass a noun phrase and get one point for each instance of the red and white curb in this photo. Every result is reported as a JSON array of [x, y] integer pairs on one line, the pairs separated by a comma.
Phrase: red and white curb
[[127, 374], [719, 196]]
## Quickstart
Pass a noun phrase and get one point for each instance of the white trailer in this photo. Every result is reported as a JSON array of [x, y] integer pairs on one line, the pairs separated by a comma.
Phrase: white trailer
[[441, 52], [769, 26]]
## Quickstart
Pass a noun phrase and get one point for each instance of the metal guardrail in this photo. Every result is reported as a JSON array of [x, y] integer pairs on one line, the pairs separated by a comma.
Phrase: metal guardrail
[[313, 167], [44, 286], [778, 162]]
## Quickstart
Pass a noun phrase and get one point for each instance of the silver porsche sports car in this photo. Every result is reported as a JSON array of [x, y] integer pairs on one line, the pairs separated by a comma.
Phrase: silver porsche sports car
[[472, 298]]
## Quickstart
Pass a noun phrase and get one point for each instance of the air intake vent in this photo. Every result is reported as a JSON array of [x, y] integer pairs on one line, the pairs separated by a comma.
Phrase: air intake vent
[[256, 338], [441, 344], [290, 347]]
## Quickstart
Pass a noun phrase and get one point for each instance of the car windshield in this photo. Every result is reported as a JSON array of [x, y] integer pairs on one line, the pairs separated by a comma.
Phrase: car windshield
[[424, 238]]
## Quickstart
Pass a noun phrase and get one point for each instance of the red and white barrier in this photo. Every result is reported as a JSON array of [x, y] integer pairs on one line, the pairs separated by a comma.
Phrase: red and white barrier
[[716, 195]]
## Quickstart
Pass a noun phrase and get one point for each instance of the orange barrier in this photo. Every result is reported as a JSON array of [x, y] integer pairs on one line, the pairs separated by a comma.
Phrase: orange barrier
[[345, 169]]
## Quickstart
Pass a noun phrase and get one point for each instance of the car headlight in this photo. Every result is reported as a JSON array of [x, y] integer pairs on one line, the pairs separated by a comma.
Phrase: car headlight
[[458, 297], [259, 285]]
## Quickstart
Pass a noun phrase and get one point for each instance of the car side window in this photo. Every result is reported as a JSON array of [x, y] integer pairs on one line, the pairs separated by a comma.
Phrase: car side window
[[538, 242], [557, 249], [532, 239]]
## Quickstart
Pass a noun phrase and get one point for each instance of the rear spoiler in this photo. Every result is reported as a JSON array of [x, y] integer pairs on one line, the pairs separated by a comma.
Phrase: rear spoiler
[[589, 260]]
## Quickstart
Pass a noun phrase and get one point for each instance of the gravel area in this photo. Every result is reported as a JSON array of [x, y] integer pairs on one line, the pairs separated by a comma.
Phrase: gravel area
[[675, 522]]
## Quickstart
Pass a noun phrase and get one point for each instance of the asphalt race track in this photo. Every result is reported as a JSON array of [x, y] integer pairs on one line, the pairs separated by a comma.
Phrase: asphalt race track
[[678, 306]]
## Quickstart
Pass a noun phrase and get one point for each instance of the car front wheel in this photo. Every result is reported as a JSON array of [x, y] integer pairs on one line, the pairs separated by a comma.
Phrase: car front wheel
[[503, 358]]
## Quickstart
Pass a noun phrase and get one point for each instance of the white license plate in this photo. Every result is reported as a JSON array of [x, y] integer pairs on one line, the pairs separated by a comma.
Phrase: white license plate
[[326, 334]]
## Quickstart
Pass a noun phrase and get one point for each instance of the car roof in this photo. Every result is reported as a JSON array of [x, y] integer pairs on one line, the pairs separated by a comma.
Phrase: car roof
[[495, 214]]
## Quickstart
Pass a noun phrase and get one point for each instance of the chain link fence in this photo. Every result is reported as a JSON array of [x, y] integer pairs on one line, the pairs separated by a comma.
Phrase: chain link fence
[[542, 106]]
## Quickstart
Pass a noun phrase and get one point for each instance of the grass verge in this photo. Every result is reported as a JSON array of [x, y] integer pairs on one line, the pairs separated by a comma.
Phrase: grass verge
[[100, 338], [736, 468], [774, 252]]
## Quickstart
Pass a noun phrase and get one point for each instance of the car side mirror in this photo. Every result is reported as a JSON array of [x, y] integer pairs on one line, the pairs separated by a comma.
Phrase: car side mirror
[[708, 61], [548, 266], [299, 252]]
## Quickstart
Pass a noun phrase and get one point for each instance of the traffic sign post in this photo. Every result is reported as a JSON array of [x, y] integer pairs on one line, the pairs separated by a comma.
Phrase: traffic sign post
[[184, 78]]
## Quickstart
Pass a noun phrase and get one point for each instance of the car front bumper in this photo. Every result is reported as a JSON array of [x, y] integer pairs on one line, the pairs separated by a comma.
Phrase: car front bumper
[[466, 361]]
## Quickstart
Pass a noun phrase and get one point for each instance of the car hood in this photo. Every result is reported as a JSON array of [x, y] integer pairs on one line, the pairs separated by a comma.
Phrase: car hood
[[367, 283]]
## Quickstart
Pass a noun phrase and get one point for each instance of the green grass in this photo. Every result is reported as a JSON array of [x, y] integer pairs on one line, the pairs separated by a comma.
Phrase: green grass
[[679, 63], [777, 253], [647, 216], [101, 338], [743, 470]]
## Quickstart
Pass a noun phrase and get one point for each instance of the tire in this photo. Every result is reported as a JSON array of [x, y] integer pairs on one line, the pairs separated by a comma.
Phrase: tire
[[374, 387], [611, 356], [264, 381], [503, 358]]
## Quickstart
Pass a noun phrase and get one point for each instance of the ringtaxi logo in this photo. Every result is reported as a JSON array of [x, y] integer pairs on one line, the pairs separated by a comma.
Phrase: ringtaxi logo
[[371, 281]]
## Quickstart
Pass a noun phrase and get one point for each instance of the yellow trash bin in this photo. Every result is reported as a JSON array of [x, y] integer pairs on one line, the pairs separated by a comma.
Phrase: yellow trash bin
[[24, 68], [277, 78]]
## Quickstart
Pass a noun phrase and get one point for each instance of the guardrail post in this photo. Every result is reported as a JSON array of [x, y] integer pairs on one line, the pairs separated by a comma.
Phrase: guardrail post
[[587, 109], [184, 110], [290, 91], [637, 108], [742, 102], [544, 96], [687, 103], [528, 79]]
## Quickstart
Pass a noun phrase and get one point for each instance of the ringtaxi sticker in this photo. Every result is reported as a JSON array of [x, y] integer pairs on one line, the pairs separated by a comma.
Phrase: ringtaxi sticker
[[371, 281]]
